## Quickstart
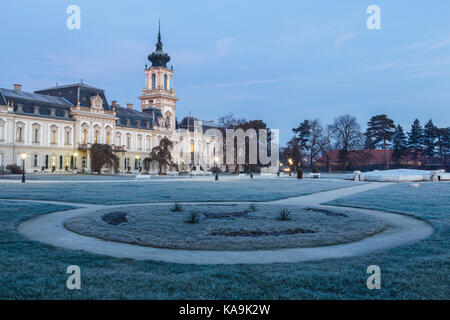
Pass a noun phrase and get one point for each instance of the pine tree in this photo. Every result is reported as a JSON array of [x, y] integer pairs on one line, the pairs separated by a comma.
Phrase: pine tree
[[443, 144], [429, 138], [380, 130], [303, 133], [415, 140], [399, 144]]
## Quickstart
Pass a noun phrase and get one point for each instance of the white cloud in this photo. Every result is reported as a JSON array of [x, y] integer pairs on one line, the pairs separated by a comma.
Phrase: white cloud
[[237, 84], [223, 46], [345, 37], [438, 45]]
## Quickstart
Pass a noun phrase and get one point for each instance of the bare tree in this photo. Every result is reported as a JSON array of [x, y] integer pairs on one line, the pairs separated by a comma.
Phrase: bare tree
[[346, 131], [325, 147], [316, 133], [161, 154], [103, 155]]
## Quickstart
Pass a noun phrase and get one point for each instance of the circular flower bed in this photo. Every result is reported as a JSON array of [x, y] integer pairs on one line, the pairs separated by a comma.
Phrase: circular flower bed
[[227, 226]]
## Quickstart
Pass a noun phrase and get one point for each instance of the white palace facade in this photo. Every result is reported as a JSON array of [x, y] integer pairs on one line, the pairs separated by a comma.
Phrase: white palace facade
[[56, 127]]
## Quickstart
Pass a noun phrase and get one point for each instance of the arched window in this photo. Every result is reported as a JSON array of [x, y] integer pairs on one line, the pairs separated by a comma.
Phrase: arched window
[[153, 81], [53, 133], [165, 82]]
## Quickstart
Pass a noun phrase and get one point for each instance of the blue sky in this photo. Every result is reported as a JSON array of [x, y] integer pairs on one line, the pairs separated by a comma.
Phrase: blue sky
[[280, 61]]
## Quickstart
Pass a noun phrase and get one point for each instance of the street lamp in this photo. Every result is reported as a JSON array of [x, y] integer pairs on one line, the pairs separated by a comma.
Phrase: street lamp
[[290, 164], [138, 164], [75, 155], [23, 156], [216, 159]]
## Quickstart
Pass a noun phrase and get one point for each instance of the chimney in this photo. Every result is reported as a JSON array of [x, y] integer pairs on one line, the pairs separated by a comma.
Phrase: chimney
[[129, 106], [17, 87], [113, 103]]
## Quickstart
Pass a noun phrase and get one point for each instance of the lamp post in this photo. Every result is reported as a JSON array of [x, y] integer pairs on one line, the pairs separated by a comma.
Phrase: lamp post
[[290, 164], [216, 159], [75, 155], [138, 164], [23, 156]]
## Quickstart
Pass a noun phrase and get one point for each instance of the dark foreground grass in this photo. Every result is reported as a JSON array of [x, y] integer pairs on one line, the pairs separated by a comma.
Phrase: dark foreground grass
[[169, 191], [30, 270]]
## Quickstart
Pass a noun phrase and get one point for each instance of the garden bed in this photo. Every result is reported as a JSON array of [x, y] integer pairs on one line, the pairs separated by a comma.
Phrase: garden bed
[[226, 226]]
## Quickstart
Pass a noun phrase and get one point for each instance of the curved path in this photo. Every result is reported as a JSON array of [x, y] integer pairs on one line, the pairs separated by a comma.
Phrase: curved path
[[402, 230]]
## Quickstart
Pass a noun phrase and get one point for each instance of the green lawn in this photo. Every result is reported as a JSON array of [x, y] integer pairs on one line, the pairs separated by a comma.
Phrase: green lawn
[[169, 190], [30, 270]]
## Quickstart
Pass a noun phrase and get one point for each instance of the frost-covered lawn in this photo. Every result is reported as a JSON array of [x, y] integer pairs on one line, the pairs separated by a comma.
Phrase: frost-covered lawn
[[226, 227], [30, 270], [170, 190]]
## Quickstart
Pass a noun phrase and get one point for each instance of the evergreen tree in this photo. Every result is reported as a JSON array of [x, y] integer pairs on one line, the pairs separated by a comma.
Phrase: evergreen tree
[[443, 145], [429, 138], [380, 131], [399, 144], [303, 133], [415, 140]]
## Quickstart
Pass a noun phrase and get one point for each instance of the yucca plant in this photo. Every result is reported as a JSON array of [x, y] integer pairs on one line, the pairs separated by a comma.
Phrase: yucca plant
[[284, 214], [176, 207], [252, 208], [194, 217]]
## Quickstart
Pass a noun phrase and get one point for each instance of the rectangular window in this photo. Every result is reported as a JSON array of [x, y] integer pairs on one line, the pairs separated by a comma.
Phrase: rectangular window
[[84, 136], [1, 131], [19, 134], [1, 159], [36, 135], [60, 162], [35, 160], [67, 137]]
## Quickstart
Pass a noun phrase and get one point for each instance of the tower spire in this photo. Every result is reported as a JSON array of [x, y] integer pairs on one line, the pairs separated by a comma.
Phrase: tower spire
[[159, 29], [159, 58]]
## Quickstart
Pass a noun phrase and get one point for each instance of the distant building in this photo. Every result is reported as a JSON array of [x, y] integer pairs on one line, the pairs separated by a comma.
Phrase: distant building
[[375, 158], [56, 127]]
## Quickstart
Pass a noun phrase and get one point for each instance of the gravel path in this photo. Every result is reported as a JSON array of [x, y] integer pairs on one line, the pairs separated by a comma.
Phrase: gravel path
[[402, 230]]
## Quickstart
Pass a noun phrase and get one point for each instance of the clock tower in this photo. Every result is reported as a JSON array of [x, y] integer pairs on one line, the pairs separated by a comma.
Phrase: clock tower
[[158, 91]]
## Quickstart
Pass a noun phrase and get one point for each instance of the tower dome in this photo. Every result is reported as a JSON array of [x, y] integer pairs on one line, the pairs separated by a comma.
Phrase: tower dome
[[159, 58]]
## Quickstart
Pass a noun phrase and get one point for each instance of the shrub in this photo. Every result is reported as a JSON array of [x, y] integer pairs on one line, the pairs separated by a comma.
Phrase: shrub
[[194, 217], [299, 173], [15, 169], [176, 207], [284, 214], [315, 170], [216, 169], [252, 208]]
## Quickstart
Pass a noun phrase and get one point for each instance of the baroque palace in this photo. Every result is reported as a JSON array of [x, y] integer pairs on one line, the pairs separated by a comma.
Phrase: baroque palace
[[56, 127]]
